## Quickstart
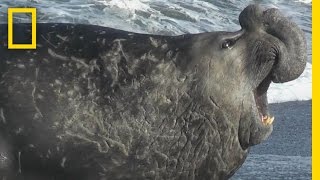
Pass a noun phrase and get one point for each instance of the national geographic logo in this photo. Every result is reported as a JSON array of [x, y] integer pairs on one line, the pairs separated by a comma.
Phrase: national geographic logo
[[33, 12]]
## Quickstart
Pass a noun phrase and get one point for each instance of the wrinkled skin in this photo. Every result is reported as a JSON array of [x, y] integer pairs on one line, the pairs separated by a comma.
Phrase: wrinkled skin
[[98, 103]]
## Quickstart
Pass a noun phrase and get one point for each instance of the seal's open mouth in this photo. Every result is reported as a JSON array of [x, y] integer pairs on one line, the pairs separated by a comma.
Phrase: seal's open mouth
[[261, 100]]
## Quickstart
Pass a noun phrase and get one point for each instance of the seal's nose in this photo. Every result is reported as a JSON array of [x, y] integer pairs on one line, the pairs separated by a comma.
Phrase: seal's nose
[[251, 17]]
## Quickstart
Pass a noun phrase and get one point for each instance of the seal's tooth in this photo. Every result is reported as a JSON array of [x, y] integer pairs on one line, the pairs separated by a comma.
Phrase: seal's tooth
[[264, 118], [267, 120], [270, 120]]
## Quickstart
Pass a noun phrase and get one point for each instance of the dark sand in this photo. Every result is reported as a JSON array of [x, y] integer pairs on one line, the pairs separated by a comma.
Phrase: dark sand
[[287, 152]]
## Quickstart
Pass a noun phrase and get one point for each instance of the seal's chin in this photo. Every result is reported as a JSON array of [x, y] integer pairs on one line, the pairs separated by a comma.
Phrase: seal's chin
[[261, 102]]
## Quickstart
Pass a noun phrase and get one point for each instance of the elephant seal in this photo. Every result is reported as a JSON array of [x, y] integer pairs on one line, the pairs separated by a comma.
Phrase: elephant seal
[[99, 103]]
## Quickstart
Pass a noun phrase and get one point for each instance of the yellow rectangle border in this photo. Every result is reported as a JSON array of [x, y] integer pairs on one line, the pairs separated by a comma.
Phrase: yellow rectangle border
[[33, 12], [315, 91]]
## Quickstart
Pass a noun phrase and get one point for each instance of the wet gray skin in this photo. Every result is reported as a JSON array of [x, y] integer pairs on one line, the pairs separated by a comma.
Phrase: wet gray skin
[[98, 103]]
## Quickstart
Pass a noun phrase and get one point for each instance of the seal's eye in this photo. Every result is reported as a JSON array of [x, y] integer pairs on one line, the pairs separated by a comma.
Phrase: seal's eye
[[228, 43]]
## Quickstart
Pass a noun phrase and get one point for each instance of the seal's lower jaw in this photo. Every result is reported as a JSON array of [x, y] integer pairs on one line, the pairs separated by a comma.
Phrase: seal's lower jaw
[[261, 102]]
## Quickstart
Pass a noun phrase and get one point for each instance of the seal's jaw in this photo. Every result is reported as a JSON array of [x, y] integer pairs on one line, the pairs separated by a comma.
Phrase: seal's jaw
[[255, 123], [261, 102]]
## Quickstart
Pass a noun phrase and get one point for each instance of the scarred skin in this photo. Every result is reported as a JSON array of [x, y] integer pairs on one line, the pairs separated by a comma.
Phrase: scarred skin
[[98, 103]]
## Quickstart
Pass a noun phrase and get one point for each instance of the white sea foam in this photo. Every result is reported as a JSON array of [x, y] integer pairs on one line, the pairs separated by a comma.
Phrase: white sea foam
[[305, 1], [130, 5], [299, 89]]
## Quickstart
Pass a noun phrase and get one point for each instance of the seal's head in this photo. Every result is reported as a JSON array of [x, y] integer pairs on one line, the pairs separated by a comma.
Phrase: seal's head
[[238, 68]]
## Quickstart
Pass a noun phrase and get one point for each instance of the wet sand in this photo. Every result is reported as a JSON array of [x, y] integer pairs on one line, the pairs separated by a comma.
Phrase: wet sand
[[286, 154]]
